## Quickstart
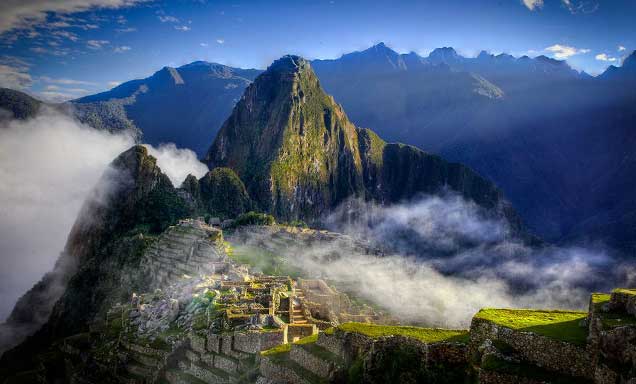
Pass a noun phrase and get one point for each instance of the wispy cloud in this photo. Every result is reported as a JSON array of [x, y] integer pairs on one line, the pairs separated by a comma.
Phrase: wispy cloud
[[621, 48], [581, 6], [220, 41], [126, 30], [203, 44], [564, 51], [604, 57], [66, 34], [122, 49], [167, 19], [113, 84], [28, 13], [14, 73], [97, 44], [533, 4], [182, 28]]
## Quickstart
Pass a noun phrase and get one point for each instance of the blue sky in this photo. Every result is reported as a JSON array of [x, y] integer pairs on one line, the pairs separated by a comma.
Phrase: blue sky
[[68, 48]]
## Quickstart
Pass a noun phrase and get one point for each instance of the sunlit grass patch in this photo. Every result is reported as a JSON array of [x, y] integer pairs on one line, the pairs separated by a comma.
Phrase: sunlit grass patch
[[556, 324], [427, 335]]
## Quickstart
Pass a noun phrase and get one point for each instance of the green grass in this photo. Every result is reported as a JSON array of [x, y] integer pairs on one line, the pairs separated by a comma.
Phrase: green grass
[[600, 298], [626, 291], [427, 335], [558, 325], [283, 348]]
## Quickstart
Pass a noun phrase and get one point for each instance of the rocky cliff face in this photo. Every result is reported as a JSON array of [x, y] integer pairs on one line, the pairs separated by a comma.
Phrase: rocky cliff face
[[300, 156]]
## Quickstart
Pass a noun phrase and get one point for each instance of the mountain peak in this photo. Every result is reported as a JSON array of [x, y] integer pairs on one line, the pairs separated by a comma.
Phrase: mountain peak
[[445, 55], [288, 64], [630, 61]]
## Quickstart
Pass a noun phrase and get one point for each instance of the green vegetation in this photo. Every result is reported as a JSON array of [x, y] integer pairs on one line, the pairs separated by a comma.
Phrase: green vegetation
[[283, 348], [254, 218], [625, 291], [426, 335], [307, 340], [559, 325], [223, 194]]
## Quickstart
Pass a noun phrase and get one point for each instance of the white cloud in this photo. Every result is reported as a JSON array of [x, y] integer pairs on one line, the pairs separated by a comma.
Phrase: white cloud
[[29, 13], [183, 28], [42, 192], [113, 84], [564, 51], [122, 49], [177, 163], [66, 34], [203, 44], [533, 4], [220, 41], [126, 30], [604, 57], [168, 19], [14, 73], [581, 6], [96, 44], [621, 48]]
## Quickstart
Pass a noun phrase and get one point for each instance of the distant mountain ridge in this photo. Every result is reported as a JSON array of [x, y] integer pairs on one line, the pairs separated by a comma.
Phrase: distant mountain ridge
[[534, 126], [183, 105]]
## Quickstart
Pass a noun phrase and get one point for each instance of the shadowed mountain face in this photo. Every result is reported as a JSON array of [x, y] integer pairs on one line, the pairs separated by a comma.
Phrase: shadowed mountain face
[[300, 156], [557, 142], [184, 105]]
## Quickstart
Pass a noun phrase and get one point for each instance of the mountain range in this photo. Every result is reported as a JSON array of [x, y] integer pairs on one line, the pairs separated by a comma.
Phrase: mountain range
[[556, 141], [286, 149]]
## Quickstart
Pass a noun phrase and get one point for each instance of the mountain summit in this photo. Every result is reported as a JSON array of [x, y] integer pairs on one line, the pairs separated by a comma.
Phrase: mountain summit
[[300, 156]]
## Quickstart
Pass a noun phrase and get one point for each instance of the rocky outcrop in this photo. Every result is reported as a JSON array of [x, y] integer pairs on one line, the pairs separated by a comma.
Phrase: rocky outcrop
[[300, 156]]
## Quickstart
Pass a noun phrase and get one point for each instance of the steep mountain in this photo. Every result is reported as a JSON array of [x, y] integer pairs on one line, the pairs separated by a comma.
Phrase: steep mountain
[[300, 156], [184, 105]]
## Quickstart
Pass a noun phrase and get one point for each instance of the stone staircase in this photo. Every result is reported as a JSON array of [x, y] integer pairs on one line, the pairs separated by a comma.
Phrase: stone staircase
[[297, 316]]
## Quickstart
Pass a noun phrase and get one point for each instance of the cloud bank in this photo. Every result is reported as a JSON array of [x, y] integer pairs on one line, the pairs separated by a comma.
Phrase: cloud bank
[[444, 258], [177, 163], [48, 166], [28, 13]]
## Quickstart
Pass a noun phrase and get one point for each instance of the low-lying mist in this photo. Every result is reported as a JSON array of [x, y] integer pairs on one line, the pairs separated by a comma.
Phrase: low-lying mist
[[445, 258], [48, 166]]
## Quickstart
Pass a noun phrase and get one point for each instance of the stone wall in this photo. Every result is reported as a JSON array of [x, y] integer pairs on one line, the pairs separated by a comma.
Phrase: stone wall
[[551, 354]]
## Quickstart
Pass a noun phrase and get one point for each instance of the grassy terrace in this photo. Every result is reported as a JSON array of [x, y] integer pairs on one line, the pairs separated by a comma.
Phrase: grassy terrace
[[625, 291], [559, 325], [611, 319], [426, 335]]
